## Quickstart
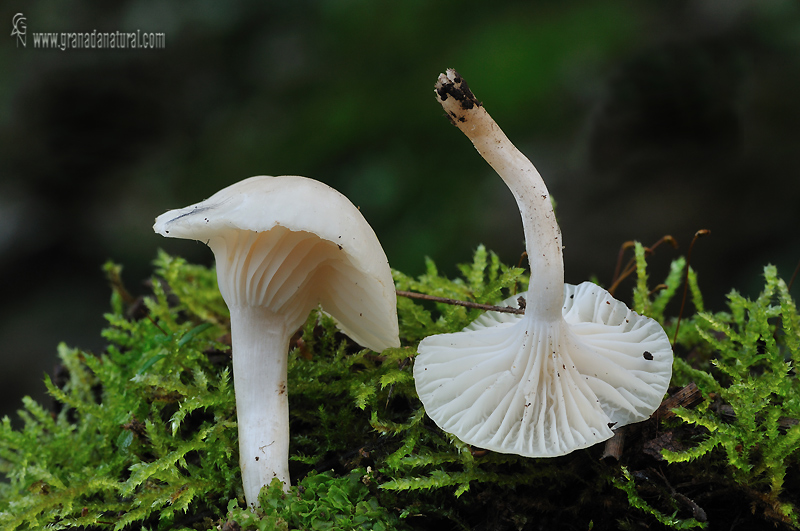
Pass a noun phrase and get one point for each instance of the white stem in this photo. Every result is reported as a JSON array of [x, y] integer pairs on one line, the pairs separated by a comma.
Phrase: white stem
[[260, 340], [542, 234]]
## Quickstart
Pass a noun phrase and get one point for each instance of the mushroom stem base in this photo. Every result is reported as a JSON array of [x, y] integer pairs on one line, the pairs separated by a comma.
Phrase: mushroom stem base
[[260, 341]]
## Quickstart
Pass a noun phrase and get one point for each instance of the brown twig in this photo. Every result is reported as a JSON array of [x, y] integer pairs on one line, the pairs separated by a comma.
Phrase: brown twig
[[401, 366], [701, 232], [630, 267], [728, 414], [456, 302], [522, 257], [156, 325], [687, 397], [697, 512], [614, 445], [658, 288], [794, 275], [617, 268]]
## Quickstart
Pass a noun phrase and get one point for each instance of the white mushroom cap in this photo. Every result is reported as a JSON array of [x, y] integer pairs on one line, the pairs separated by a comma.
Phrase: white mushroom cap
[[575, 365], [289, 243], [547, 389], [284, 245]]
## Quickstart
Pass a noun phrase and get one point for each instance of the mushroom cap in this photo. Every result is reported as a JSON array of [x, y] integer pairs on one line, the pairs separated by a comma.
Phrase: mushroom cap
[[290, 243], [510, 384]]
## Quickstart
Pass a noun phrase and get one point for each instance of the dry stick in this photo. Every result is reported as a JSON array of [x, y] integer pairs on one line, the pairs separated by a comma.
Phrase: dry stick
[[659, 287], [456, 302], [728, 414], [522, 257], [688, 397], [794, 275], [697, 512], [401, 366], [614, 445], [701, 232], [156, 325], [666, 238], [630, 267], [622, 249]]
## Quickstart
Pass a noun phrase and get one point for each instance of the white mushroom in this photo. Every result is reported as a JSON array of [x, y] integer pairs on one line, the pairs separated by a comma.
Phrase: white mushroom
[[284, 245], [558, 378]]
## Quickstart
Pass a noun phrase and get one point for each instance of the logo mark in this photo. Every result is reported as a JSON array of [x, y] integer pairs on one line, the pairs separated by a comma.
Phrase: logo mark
[[19, 25]]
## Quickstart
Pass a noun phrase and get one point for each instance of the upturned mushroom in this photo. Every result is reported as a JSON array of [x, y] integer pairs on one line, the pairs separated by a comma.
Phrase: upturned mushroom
[[283, 246], [558, 378]]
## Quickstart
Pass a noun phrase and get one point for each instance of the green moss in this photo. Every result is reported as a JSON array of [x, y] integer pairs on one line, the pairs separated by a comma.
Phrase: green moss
[[751, 423], [321, 501], [143, 435]]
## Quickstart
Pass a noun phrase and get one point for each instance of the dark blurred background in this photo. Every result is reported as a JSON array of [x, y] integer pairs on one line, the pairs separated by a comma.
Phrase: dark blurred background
[[645, 118]]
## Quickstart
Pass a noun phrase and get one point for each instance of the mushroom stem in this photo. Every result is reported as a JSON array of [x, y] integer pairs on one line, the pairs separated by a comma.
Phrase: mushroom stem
[[542, 235], [283, 246], [260, 341]]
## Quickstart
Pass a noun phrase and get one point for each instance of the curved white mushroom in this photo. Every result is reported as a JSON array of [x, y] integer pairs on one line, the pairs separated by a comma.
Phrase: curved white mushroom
[[284, 245], [577, 363]]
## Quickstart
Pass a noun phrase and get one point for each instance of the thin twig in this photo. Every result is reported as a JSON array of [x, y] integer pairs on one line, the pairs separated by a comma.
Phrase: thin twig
[[618, 267], [688, 397], [156, 325], [401, 366], [701, 232], [794, 275], [697, 512], [630, 267], [614, 445], [456, 302], [522, 257], [658, 288]]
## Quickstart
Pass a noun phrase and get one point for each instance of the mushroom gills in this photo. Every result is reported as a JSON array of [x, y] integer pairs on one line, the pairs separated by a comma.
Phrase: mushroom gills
[[540, 389], [495, 391]]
